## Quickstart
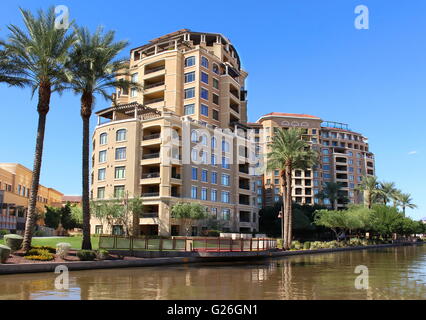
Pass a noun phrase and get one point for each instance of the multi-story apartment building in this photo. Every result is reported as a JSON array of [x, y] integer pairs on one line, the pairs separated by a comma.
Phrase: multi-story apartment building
[[344, 158], [15, 186], [183, 138]]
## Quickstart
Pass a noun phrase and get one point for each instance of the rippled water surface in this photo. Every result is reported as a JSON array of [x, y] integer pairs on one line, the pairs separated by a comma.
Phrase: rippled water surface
[[394, 273]]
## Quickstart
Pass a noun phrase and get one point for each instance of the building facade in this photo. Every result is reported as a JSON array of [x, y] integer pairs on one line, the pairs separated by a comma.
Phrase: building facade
[[185, 138], [15, 187]]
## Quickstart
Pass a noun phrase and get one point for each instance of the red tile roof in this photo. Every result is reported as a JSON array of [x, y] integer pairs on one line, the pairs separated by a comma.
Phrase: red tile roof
[[71, 199], [295, 115]]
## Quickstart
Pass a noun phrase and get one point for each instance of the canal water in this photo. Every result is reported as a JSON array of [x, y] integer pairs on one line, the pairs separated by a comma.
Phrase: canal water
[[393, 273]]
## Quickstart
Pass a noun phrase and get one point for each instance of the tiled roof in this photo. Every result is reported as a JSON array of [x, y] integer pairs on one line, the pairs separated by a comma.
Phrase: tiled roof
[[71, 198], [295, 115]]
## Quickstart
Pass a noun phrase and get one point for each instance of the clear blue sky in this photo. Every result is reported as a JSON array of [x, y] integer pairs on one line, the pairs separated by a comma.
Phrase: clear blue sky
[[302, 56]]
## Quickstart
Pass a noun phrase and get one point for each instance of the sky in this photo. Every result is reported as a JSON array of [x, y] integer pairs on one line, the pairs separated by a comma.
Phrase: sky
[[302, 56]]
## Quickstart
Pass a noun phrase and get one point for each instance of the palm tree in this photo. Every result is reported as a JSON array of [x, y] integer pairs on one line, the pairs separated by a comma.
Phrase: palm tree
[[370, 187], [92, 69], [289, 152], [405, 201], [387, 191], [39, 52], [9, 70], [332, 192]]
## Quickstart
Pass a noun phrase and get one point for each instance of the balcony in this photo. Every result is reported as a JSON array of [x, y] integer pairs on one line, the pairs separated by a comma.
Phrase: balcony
[[150, 194], [244, 186], [150, 71], [151, 175], [151, 136], [244, 168], [154, 101], [151, 155], [149, 215], [176, 176]]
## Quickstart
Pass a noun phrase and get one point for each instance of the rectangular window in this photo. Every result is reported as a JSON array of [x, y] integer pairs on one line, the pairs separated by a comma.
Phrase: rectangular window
[[214, 160], [101, 193], [120, 172], [215, 115], [226, 214], [118, 191], [225, 179], [203, 193], [194, 174], [189, 109], [101, 174], [189, 93], [102, 156], [205, 77], [120, 135], [135, 77], [225, 196], [214, 177], [204, 175], [103, 138], [120, 153], [190, 77], [326, 159], [215, 99], [215, 83], [133, 92], [204, 94], [194, 192], [225, 163], [213, 195], [204, 110]]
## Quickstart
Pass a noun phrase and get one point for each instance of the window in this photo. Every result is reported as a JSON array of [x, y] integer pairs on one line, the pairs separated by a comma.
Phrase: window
[[194, 192], [204, 174], [205, 62], [204, 94], [215, 68], [225, 163], [120, 153], [203, 193], [99, 229], [226, 214], [205, 77], [326, 159], [101, 193], [189, 93], [225, 179], [194, 174], [190, 61], [190, 77], [213, 195], [135, 77], [326, 167], [214, 177], [225, 197], [194, 155], [194, 136], [204, 110], [203, 139], [215, 99], [103, 138], [120, 135], [189, 109], [133, 92], [276, 172], [276, 181], [101, 174], [118, 191], [325, 151], [102, 156], [120, 172], [203, 157], [215, 115], [225, 145], [214, 160], [327, 176], [214, 142], [215, 83]]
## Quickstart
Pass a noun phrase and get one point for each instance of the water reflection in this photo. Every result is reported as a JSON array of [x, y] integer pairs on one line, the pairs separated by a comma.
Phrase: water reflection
[[397, 273]]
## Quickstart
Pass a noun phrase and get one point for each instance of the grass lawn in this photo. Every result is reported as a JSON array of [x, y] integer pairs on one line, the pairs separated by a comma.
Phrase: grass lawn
[[74, 241]]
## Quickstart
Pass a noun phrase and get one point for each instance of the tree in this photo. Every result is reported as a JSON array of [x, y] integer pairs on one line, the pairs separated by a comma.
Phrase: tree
[[67, 220], [387, 191], [289, 152], [186, 212], [136, 208], [386, 220], [39, 53], [405, 201], [92, 69], [52, 217], [77, 215], [10, 73], [333, 192], [109, 212], [333, 219], [370, 187]]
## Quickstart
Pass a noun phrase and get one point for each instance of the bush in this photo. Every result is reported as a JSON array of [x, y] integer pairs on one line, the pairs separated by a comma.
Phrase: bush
[[4, 253], [102, 254], [86, 255], [62, 249], [296, 245], [307, 245], [13, 241], [48, 248], [279, 243], [39, 254], [39, 233], [3, 233]]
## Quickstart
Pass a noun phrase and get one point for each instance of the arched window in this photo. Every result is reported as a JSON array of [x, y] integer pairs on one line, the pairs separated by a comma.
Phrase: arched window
[[194, 136], [214, 142], [205, 62], [190, 61], [204, 139], [215, 68], [120, 135], [103, 138]]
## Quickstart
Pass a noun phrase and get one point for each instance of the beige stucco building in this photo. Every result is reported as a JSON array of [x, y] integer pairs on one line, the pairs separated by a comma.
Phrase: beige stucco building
[[15, 186]]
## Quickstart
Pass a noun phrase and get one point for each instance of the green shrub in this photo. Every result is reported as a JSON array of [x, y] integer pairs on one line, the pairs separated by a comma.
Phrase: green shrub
[[279, 243], [307, 245], [4, 253], [102, 254], [296, 245], [3, 233], [39, 233], [48, 248], [13, 241], [86, 255], [39, 254]]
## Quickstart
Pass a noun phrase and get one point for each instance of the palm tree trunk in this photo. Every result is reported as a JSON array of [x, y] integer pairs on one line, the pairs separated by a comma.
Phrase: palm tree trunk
[[288, 214], [86, 111], [283, 210], [42, 108]]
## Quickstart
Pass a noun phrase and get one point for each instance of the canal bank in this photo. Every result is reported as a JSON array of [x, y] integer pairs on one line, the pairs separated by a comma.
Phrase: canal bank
[[141, 259]]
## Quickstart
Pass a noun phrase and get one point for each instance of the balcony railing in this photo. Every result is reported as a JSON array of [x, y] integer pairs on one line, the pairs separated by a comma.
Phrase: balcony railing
[[244, 186], [154, 101], [153, 85], [148, 71], [152, 136], [149, 215], [151, 155], [150, 175], [176, 176], [150, 194]]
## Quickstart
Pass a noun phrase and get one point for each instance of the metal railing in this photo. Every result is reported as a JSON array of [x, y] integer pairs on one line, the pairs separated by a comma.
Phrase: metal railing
[[153, 85], [150, 175], [152, 136], [151, 155], [148, 71], [186, 244]]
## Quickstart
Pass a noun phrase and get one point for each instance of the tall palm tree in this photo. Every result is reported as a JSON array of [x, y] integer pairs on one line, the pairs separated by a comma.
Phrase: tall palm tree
[[39, 52], [370, 187], [289, 152], [387, 191], [92, 69], [9, 70], [332, 192], [405, 201]]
